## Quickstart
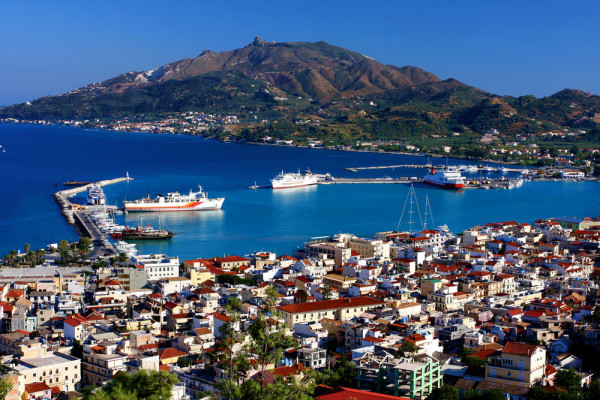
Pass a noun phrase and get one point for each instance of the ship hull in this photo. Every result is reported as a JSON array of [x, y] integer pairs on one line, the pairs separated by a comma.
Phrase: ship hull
[[294, 185], [191, 206], [449, 186], [146, 237]]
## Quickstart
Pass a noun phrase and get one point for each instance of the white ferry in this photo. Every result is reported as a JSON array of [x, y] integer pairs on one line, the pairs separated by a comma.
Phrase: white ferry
[[449, 178], [95, 195], [293, 179], [194, 201]]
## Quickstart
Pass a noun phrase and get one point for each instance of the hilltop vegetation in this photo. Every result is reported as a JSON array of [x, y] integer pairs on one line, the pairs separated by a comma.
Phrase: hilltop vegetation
[[316, 90]]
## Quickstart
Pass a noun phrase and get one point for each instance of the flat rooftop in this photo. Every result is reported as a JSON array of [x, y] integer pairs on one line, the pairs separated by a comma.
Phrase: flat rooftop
[[44, 361]]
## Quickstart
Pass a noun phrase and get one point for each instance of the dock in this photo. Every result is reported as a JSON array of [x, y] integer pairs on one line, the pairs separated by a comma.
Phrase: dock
[[68, 209], [366, 180], [356, 169]]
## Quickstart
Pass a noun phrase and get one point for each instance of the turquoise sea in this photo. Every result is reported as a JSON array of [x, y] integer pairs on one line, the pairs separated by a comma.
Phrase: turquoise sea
[[37, 158]]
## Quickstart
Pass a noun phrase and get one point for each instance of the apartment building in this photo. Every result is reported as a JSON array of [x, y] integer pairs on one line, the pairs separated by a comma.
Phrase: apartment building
[[57, 370], [340, 310], [158, 266], [518, 364]]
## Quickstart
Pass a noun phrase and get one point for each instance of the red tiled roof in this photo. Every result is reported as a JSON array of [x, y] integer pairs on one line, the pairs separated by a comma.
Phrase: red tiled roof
[[342, 393], [221, 317], [37, 387], [520, 349], [360, 301], [171, 353], [287, 371], [15, 293], [550, 370], [232, 259], [483, 354], [148, 346]]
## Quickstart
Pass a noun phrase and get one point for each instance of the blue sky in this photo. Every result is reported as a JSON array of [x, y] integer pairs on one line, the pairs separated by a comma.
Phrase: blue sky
[[504, 47]]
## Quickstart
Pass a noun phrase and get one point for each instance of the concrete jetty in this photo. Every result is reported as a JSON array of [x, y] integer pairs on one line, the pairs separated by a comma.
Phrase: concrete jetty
[[355, 169], [366, 180], [68, 208]]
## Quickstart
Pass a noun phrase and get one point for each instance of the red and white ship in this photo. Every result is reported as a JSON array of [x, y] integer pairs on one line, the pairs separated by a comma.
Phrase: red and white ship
[[195, 201], [449, 178], [294, 179]]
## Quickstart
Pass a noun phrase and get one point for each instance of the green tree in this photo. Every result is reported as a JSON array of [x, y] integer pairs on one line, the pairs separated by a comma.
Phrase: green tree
[[409, 347], [231, 356], [184, 362], [77, 350], [83, 246], [269, 340], [327, 292], [473, 394], [495, 394], [342, 374], [234, 303], [123, 257], [446, 392], [27, 247], [568, 379], [144, 385], [280, 389], [5, 388], [63, 250], [594, 317]]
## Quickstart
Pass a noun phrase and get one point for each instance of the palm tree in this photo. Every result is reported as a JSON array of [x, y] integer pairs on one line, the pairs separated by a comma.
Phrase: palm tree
[[13, 254]]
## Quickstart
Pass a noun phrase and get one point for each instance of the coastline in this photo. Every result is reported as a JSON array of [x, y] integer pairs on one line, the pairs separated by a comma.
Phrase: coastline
[[302, 146]]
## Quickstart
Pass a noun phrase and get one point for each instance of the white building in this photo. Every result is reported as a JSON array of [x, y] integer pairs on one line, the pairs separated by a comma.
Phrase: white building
[[158, 266]]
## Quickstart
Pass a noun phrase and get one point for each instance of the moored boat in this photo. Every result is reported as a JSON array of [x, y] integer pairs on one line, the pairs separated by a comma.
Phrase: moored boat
[[194, 201], [293, 179], [449, 178]]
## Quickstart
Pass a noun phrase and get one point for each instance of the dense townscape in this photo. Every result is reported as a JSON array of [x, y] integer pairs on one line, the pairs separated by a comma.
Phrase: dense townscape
[[502, 310]]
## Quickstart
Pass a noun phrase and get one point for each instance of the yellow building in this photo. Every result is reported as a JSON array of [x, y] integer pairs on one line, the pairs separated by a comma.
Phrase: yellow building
[[339, 282], [199, 275], [340, 310], [517, 364], [54, 369]]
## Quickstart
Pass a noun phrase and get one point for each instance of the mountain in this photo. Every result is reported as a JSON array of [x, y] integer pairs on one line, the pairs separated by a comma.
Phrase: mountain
[[316, 72], [335, 93]]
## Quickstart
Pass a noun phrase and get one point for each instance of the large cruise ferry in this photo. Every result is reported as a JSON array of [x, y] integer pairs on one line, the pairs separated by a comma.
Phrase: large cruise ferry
[[293, 179], [195, 201], [449, 178], [95, 195]]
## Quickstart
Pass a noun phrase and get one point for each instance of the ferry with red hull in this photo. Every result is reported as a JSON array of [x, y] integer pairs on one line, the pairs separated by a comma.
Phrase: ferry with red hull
[[195, 201], [449, 178]]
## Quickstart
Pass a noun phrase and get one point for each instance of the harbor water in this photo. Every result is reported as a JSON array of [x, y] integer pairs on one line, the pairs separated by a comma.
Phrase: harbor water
[[38, 158]]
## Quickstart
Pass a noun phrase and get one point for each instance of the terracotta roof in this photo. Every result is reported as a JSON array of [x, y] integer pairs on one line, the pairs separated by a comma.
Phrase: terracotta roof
[[349, 302], [287, 371], [171, 353], [232, 259], [73, 322], [550, 370], [221, 317], [342, 393], [148, 346], [520, 349], [37, 387]]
